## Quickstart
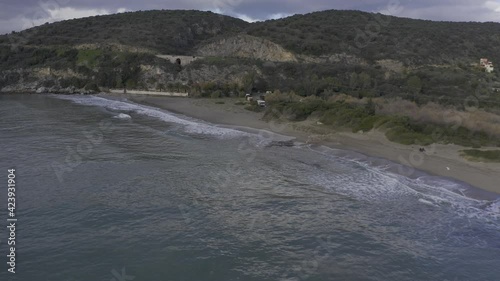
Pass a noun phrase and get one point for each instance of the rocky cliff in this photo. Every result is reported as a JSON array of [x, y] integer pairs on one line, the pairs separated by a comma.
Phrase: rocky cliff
[[246, 46]]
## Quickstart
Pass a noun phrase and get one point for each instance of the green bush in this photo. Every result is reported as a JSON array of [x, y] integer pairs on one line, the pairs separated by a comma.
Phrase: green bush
[[92, 87], [298, 111], [406, 136], [215, 95], [253, 106], [367, 123], [73, 82]]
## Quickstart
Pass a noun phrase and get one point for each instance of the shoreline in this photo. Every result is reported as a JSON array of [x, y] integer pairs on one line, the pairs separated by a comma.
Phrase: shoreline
[[438, 160]]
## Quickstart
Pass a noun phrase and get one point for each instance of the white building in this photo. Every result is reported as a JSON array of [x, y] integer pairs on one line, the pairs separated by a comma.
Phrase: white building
[[487, 65]]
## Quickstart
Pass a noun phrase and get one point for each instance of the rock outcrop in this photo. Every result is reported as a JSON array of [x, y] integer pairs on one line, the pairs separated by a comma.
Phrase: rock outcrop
[[246, 46]]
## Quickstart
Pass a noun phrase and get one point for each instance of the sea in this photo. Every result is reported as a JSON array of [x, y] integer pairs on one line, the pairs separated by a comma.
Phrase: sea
[[108, 189]]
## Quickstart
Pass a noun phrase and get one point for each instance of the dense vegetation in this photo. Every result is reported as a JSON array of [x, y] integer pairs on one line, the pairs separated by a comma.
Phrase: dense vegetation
[[366, 35], [364, 117], [99, 68], [166, 31], [375, 36], [458, 86]]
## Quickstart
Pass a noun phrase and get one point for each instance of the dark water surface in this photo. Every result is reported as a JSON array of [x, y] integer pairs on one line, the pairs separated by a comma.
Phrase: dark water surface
[[158, 196]]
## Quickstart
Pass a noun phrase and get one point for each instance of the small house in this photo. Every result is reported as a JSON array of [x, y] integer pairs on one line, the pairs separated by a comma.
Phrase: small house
[[487, 65], [489, 68]]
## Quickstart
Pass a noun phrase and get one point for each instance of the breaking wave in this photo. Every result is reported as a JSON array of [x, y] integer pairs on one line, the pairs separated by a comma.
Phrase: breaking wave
[[190, 126], [377, 180]]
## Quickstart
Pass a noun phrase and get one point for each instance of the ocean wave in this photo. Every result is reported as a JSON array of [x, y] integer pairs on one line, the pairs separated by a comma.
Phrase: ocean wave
[[378, 180], [190, 125]]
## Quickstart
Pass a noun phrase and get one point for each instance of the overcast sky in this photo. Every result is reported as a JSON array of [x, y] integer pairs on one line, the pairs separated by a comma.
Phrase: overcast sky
[[20, 14]]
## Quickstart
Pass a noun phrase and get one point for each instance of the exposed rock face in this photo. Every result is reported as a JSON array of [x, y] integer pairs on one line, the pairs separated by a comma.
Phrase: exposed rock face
[[45, 80], [40, 80], [247, 46]]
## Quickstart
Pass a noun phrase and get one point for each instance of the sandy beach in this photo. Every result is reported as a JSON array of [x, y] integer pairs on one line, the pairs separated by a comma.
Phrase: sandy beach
[[439, 160]]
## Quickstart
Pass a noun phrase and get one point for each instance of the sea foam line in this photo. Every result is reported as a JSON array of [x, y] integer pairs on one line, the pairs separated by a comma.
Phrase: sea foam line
[[388, 185], [192, 126]]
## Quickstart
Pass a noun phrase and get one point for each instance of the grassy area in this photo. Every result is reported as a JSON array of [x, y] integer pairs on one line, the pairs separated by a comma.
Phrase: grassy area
[[399, 129], [482, 155], [425, 134]]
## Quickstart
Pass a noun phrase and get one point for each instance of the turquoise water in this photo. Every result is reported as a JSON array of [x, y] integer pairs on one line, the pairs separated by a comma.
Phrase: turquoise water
[[151, 195]]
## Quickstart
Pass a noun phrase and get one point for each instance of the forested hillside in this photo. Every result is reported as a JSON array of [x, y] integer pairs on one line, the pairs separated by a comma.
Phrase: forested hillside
[[375, 37], [168, 32], [366, 35], [319, 54]]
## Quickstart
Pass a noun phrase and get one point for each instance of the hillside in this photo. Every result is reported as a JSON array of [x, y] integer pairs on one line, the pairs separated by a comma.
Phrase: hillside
[[368, 36], [375, 37], [247, 47], [347, 69], [168, 32], [364, 35], [319, 54]]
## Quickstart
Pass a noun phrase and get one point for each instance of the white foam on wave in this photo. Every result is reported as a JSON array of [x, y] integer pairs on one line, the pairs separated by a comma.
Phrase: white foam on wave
[[122, 116], [371, 183], [427, 202], [494, 207], [191, 126], [377, 183]]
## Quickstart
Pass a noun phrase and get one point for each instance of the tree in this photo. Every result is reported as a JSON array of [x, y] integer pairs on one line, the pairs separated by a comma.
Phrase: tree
[[160, 87], [130, 84], [365, 80], [370, 107], [248, 82], [414, 84], [353, 81], [119, 82]]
